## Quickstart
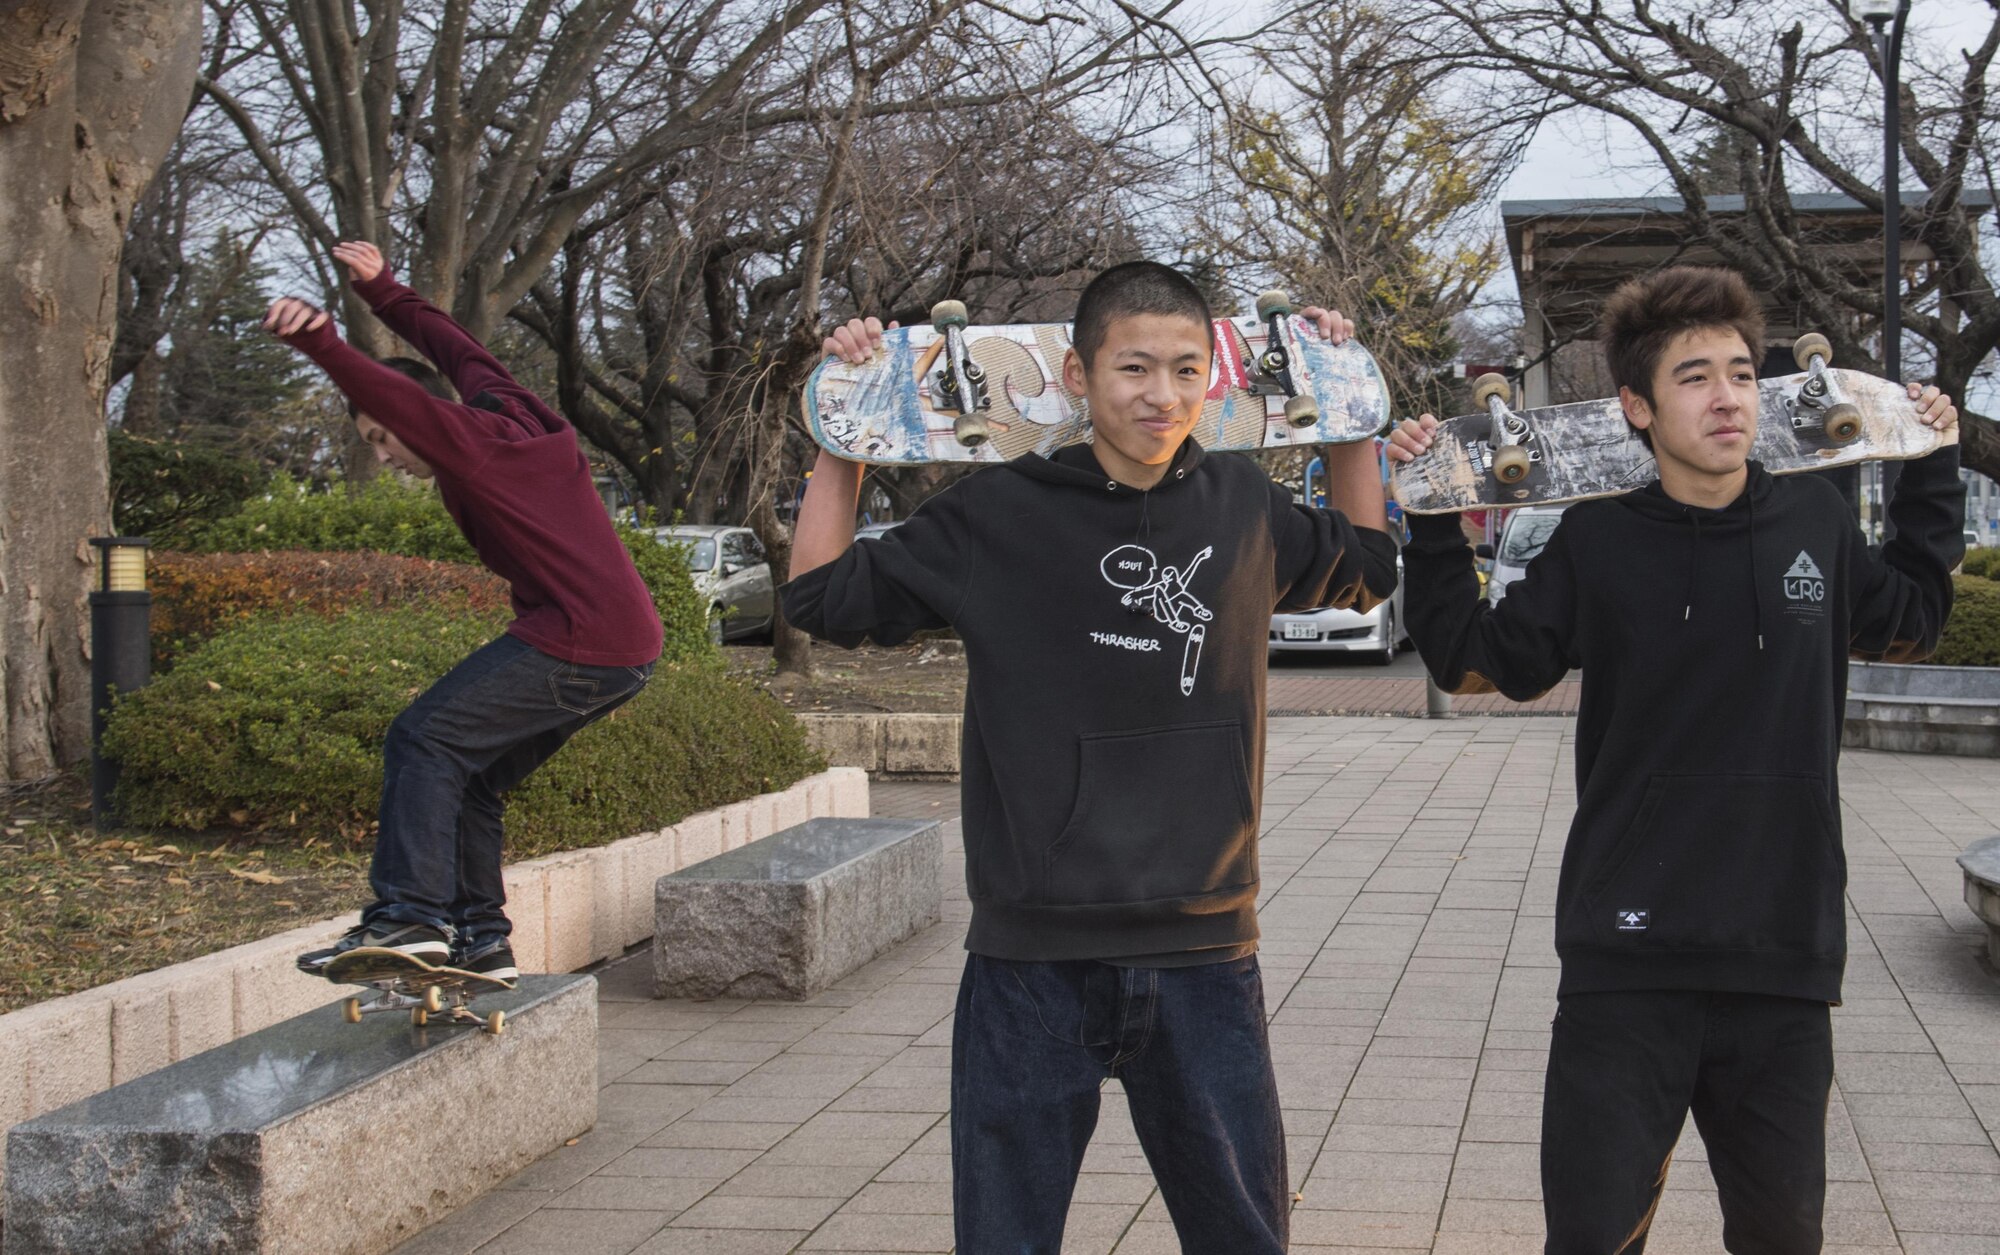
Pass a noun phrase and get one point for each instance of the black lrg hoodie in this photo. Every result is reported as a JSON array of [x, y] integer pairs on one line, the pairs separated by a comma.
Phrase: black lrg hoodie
[[1115, 646], [1706, 852]]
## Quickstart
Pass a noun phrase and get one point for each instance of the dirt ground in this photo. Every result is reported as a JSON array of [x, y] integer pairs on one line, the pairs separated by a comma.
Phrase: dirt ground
[[83, 907], [918, 678]]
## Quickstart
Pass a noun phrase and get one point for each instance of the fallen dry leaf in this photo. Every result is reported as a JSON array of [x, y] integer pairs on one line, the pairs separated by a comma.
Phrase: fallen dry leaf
[[256, 878]]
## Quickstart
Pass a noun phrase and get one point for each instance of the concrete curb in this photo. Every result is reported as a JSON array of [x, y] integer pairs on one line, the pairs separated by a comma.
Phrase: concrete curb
[[1923, 709], [569, 910], [907, 747]]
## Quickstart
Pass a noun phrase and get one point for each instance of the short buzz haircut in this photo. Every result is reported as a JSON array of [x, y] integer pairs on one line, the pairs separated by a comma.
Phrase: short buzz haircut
[[1644, 315], [424, 373], [1132, 289]]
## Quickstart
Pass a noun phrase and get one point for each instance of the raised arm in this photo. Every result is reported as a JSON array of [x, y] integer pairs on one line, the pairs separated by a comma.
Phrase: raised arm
[[1523, 646], [1901, 597], [432, 332], [449, 437]]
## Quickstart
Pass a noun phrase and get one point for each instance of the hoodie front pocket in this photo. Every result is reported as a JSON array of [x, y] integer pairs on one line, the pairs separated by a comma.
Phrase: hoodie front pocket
[[1159, 813], [1748, 862]]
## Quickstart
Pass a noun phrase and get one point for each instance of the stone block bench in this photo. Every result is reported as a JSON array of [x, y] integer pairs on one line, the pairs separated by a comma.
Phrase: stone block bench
[[786, 916], [1981, 863], [1922, 709], [311, 1136]]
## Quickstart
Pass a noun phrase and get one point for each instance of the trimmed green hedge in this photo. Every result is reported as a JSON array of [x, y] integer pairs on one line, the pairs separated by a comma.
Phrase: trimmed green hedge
[[279, 724], [387, 515], [1972, 634], [1985, 563]]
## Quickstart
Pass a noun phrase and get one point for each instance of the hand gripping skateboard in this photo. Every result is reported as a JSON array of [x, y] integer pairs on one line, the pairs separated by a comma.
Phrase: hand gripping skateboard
[[410, 984], [1819, 418], [952, 392]]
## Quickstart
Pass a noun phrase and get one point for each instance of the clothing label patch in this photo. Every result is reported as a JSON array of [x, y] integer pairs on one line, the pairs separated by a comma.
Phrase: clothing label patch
[[1630, 921], [1163, 592], [1804, 587]]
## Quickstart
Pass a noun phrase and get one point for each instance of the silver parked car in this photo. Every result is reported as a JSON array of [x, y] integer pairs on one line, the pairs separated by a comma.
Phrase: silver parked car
[[1375, 634], [730, 570], [1524, 534]]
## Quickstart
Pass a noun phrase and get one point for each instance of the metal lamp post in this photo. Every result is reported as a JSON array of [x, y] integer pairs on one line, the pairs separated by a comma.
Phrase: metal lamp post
[[121, 651], [1887, 19]]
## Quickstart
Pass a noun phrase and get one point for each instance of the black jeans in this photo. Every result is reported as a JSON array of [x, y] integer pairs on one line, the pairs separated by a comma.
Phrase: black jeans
[[446, 768], [1625, 1069], [1031, 1047]]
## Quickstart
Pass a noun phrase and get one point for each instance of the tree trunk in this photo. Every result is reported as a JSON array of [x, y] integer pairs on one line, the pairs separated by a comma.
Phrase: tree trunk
[[91, 95]]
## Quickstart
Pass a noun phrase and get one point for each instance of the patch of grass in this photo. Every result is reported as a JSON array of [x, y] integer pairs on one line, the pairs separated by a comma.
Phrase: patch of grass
[[84, 908]]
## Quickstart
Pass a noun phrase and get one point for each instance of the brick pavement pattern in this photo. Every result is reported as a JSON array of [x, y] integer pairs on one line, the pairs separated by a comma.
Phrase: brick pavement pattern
[[1294, 695], [1409, 880]]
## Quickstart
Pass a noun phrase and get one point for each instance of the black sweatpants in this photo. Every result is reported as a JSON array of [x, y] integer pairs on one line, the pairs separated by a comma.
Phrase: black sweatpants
[[1625, 1069]]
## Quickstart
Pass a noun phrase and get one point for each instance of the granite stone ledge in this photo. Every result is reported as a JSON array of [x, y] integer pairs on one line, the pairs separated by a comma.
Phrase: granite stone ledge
[[311, 1136], [1981, 865], [788, 915]]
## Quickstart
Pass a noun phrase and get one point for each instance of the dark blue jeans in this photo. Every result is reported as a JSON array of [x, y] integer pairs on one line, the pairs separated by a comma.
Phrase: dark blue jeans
[[447, 766], [1032, 1046]]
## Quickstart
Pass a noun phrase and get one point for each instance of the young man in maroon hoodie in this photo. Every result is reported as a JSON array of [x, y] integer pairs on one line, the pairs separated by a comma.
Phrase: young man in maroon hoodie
[[583, 641]]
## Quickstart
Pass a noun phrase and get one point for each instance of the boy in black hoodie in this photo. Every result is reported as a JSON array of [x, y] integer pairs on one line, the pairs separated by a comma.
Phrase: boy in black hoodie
[[1115, 604], [1699, 912]]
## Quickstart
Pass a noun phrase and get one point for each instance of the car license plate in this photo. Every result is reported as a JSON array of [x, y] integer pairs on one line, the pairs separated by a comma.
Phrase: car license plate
[[1301, 632]]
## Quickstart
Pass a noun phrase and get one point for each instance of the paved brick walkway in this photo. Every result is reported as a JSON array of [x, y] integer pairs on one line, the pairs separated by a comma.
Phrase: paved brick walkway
[[1383, 695], [1410, 873]]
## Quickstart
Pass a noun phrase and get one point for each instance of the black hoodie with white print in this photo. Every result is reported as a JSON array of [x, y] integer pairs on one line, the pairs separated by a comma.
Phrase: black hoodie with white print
[[1115, 644], [1706, 852]]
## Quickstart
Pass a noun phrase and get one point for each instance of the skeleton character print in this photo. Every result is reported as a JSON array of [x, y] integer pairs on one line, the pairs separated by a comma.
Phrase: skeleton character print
[[1161, 591]]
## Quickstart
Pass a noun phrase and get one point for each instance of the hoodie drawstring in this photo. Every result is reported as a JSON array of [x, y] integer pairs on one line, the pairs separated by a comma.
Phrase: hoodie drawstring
[[1694, 567], [1756, 602], [1694, 570]]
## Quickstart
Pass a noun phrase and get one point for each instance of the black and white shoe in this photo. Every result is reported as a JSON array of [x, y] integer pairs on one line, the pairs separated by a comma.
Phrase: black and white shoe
[[419, 941], [495, 959]]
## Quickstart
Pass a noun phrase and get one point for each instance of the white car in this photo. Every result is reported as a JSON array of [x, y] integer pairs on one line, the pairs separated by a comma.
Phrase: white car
[[1522, 537], [1375, 634], [729, 568]]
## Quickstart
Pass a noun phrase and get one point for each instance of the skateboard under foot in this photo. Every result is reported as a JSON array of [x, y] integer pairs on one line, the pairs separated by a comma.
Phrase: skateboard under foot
[[405, 983]]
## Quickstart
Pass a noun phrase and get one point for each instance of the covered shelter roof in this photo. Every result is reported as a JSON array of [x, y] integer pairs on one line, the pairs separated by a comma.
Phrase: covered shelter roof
[[1569, 255]]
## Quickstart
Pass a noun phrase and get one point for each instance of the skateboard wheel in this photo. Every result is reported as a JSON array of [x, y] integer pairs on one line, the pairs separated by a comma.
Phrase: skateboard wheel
[[419, 1016], [350, 1010], [1510, 464], [970, 430], [948, 314], [433, 999], [1809, 345], [1842, 423], [1273, 304], [1492, 386], [496, 1023], [1302, 412]]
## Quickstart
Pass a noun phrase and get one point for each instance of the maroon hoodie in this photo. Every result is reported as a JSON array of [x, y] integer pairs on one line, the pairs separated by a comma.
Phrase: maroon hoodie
[[512, 476]]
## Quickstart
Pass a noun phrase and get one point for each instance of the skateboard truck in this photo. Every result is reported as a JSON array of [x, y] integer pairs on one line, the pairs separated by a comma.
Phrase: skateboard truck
[[422, 1007], [1511, 461], [958, 386], [1270, 374], [1840, 421]]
